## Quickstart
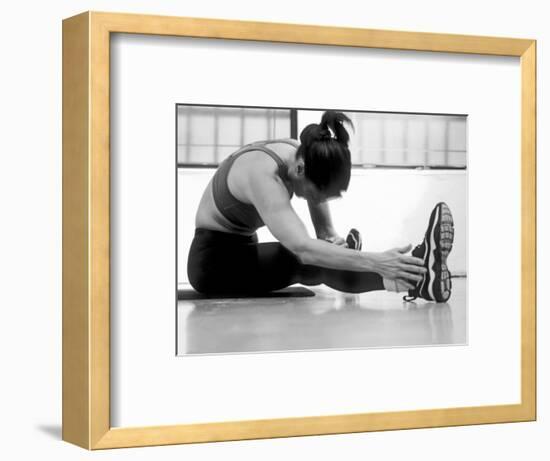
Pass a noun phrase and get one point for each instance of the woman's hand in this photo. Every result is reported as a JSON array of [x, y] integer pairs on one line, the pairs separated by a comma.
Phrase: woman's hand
[[395, 264], [336, 240]]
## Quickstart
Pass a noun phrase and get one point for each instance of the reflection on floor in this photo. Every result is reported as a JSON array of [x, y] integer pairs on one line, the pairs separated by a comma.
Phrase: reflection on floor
[[330, 320]]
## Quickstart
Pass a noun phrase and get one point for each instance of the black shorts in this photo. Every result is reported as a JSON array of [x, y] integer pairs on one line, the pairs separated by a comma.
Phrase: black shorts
[[225, 263]]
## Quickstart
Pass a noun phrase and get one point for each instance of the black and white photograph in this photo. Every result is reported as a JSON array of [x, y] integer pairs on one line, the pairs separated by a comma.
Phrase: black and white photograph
[[236, 230], [319, 229]]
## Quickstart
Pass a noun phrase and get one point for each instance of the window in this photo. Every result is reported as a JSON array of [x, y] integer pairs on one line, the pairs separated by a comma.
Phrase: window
[[408, 140], [208, 134]]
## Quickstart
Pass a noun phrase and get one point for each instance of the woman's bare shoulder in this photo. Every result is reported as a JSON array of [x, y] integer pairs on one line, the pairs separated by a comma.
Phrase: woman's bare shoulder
[[257, 160]]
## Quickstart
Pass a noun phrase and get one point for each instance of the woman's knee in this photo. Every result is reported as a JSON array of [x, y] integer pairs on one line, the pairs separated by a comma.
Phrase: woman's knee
[[310, 275]]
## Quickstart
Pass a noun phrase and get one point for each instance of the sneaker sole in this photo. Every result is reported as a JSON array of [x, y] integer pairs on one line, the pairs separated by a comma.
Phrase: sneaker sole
[[441, 237]]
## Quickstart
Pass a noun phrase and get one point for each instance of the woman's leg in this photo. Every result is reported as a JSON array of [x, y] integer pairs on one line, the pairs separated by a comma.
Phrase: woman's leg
[[221, 263], [341, 280], [277, 266], [237, 265], [273, 267]]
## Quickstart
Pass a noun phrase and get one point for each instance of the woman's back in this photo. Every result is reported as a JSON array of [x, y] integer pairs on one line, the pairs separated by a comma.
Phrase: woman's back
[[225, 204]]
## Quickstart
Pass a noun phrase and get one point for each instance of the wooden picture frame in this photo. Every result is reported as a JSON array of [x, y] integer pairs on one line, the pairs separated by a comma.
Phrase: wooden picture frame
[[86, 230]]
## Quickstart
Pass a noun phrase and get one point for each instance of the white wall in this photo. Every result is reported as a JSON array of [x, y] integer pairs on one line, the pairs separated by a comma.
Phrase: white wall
[[30, 234], [389, 207]]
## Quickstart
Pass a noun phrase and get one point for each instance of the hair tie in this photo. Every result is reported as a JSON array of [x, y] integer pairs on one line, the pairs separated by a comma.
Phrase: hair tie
[[327, 134]]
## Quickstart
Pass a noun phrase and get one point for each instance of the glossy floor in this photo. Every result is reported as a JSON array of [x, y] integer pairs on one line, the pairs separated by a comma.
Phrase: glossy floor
[[329, 320]]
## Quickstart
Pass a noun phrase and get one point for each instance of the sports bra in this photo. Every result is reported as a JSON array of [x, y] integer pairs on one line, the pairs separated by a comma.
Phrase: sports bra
[[243, 216]]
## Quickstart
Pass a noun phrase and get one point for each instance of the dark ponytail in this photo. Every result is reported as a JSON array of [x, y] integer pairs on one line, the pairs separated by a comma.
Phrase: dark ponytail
[[324, 148]]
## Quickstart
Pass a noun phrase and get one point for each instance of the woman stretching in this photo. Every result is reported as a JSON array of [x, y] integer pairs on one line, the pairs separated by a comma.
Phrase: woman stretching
[[253, 188]]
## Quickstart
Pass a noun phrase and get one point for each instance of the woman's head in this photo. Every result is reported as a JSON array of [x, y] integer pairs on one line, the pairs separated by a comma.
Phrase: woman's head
[[325, 154]]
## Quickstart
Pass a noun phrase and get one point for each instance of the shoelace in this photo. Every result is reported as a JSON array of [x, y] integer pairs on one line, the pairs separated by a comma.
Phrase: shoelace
[[408, 298]]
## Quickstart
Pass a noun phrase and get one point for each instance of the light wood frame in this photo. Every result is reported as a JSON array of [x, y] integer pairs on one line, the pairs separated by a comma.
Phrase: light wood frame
[[86, 234]]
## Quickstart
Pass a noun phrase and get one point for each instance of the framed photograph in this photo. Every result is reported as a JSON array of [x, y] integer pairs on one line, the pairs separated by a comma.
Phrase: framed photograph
[[276, 230]]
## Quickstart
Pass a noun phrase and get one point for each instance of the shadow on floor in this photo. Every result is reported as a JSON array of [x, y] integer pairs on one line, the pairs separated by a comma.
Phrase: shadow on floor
[[51, 430]]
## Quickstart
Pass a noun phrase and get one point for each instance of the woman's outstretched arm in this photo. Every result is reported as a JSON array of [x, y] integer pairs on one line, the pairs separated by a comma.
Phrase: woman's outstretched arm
[[270, 197]]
